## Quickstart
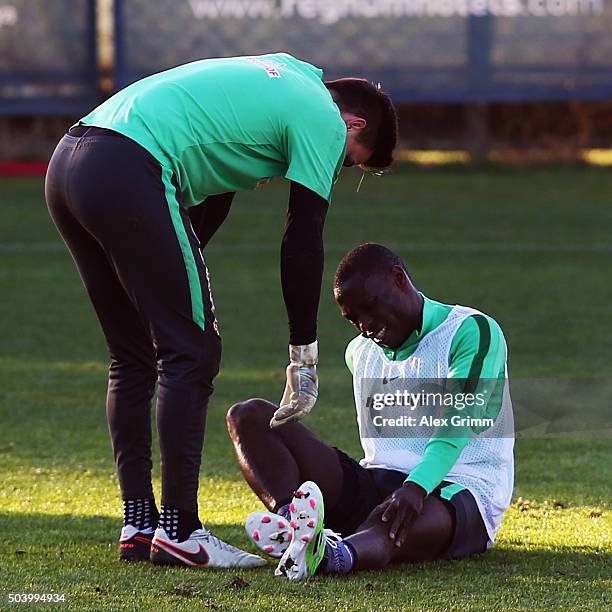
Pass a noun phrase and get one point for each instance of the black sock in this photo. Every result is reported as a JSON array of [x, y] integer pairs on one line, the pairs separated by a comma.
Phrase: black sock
[[140, 513], [177, 523]]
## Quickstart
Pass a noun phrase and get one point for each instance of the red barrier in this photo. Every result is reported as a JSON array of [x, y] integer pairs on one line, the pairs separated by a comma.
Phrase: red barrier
[[15, 169]]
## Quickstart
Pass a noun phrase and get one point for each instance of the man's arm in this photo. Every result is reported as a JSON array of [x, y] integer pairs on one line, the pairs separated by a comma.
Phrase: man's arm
[[478, 352], [302, 262], [301, 273], [207, 217]]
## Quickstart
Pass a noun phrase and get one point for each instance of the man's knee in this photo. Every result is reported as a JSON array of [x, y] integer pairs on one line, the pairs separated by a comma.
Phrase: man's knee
[[250, 415], [196, 363], [132, 367]]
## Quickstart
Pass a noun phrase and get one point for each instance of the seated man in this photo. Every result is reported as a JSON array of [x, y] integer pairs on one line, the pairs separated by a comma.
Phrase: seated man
[[410, 499]]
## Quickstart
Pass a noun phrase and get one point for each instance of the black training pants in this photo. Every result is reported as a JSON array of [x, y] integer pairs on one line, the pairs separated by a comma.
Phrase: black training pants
[[120, 215]]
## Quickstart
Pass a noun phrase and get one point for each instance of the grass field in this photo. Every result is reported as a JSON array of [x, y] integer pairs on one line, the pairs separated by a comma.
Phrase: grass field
[[530, 247]]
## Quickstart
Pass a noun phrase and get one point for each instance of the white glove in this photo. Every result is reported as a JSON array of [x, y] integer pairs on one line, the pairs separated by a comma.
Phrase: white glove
[[302, 388]]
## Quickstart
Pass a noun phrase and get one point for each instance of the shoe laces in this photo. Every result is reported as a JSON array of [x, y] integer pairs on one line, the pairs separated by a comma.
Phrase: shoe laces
[[209, 538], [332, 535]]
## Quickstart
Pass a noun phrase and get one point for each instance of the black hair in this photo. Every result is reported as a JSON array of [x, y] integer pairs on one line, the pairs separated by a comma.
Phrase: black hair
[[368, 101], [367, 258]]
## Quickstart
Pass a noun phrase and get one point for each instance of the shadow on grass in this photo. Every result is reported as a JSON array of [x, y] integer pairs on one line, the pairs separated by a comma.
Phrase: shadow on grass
[[48, 534], [21, 530]]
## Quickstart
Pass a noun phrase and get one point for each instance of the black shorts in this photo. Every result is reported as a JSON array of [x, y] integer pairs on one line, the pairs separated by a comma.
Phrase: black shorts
[[364, 488]]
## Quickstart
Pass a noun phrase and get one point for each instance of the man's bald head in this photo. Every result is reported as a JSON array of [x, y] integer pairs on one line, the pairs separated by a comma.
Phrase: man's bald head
[[375, 293], [367, 259]]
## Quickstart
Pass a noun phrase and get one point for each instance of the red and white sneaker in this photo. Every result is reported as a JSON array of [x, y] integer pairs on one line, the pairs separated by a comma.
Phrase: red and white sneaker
[[202, 549], [270, 532], [135, 545]]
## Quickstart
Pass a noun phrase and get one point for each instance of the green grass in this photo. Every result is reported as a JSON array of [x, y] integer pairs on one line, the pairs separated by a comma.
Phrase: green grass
[[529, 246]]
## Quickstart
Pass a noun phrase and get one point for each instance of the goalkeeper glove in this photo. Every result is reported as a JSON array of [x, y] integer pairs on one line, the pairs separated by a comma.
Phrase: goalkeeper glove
[[302, 388]]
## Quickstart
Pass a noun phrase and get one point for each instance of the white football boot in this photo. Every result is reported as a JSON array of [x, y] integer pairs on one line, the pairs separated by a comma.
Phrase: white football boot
[[307, 544], [272, 533], [202, 549]]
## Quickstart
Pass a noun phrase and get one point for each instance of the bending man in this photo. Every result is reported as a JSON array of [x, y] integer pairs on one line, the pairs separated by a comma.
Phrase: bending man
[[125, 189]]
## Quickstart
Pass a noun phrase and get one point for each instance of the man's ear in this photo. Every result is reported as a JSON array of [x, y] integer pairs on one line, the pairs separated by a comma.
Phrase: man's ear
[[356, 123], [400, 278]]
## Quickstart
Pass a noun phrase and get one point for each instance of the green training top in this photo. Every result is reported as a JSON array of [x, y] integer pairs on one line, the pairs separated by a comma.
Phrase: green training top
[[478, 333], [231, 124], [478, 351]]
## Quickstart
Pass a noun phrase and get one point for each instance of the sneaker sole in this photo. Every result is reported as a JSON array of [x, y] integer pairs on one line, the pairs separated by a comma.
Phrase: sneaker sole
[[307, 512], [270, 532]]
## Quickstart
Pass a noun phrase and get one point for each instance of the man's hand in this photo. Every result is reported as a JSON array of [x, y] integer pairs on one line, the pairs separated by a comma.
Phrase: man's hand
[[302, 388], [404, 505]]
